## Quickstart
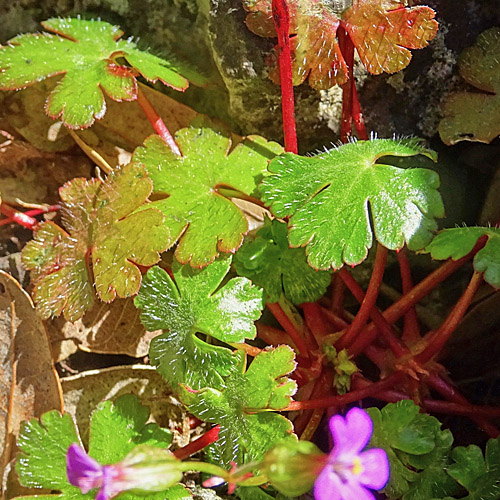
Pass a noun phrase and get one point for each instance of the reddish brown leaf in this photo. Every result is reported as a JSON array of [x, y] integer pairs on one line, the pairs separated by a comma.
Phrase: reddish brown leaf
[[381, 30], [382, 35], [29, 385]]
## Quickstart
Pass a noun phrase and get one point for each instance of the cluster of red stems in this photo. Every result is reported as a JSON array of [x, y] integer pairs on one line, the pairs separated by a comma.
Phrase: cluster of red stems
[[406, 362]]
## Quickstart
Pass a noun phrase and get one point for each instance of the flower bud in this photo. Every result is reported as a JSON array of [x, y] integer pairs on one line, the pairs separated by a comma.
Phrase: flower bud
[[292, 467]]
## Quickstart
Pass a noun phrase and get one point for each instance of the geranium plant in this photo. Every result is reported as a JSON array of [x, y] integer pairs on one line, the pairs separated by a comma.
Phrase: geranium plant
[[266, 335]]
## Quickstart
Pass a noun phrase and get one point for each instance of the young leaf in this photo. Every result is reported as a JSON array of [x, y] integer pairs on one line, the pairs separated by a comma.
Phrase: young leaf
[[413, 441], [457, 242], [474, 116], [195, 304], [331, 197], [477, 474], [382, 32], [200, 217], [271, 264], [86, 53], [115, 429], [247, 428], [102, 229]]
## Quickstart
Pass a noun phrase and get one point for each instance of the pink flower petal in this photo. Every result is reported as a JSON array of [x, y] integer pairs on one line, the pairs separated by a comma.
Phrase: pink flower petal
[[376, 470], [327, 485], [350, 434], [83, 471], [354, 491]]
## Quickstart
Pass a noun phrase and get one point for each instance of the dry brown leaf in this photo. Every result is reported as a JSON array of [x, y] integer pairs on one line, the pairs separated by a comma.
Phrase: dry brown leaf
[[106, 329], [34, 176], [84, 391], [29, 385]]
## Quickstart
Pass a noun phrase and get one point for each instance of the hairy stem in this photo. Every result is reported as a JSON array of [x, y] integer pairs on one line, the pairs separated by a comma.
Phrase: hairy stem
[[281, 18], [157, 123]]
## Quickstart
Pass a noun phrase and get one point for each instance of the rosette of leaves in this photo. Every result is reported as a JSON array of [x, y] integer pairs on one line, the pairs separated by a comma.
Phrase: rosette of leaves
[[337, 200], [243, 408], [473, 116], [194, 187], [382, 32], [115, 430], [269, 262], [457, 242], [102, 244], [194, 304], [89, 55]]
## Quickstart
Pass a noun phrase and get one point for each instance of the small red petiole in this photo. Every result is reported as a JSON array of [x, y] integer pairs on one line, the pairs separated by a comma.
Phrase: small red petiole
[[157, 123]]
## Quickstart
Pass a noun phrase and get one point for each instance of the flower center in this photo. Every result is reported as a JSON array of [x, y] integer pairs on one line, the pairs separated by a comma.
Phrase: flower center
[[357, 468]]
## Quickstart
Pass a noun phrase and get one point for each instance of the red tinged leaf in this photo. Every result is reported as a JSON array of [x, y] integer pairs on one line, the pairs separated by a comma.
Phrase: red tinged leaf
[[383, 36], [382, 31]]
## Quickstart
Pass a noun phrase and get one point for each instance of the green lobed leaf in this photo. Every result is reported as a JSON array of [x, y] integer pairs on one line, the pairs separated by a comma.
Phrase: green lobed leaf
[[473, 116], [200, 217], [332, 197], [102, 229], [271, 264], [248, 427], [457, 242], [86, 53], [195, 304], [480, 476], [415, 445], [115, 429]]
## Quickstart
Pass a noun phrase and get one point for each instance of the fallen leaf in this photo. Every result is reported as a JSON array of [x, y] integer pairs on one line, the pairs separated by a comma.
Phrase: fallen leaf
[[107, 329], [84, 391], [29, 385], [34, 176]]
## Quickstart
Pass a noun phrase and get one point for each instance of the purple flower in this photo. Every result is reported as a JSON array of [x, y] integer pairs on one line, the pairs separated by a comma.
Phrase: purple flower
[[146, 468], [349, 472], [86, 473]]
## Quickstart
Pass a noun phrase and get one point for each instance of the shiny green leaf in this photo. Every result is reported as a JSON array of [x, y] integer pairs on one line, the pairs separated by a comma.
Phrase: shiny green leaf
[[196, 304], [337, 200], [198, 211]]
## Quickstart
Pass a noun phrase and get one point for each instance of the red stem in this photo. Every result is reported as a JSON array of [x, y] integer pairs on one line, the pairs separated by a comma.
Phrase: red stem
[[273, 336], [350, 397], [417, 293], [281, 18], [31, 213], [347, 49], [338, 290], [380, 323], [289, 328], [313, 316], [195, 446], [411, 331], [158, 125], [357, 115], [337, 322], [452, 394], [438, 339], [20, 218], [367, 300]]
